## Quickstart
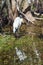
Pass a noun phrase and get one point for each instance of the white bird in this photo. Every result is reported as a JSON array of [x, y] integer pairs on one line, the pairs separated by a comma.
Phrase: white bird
[[21, 55], [17, 23], [29, 1]]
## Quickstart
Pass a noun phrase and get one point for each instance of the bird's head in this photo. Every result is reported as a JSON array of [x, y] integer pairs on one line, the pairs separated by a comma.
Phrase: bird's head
[[21, 20], [21, 17]]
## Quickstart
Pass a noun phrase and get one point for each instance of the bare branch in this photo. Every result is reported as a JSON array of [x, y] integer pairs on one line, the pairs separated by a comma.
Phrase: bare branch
[[23, 14], [38, 18]]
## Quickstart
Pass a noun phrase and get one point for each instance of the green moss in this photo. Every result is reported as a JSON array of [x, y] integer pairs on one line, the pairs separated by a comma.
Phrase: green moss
[[25, 43], [6, 50]]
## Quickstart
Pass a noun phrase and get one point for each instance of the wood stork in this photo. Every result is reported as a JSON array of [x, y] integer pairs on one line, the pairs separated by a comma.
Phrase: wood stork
[[17, 23]]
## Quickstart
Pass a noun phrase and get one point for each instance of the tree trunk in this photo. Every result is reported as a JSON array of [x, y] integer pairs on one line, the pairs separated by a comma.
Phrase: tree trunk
[[14, 9], [9, 10]]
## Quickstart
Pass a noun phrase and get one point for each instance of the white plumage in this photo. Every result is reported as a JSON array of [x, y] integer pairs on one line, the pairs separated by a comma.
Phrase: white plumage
[[29, 1], [21, 55], [17, 23]]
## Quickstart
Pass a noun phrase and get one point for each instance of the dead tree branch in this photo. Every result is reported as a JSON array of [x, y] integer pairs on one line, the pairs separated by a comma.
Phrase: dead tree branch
[[23, 13], [38, 18]]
